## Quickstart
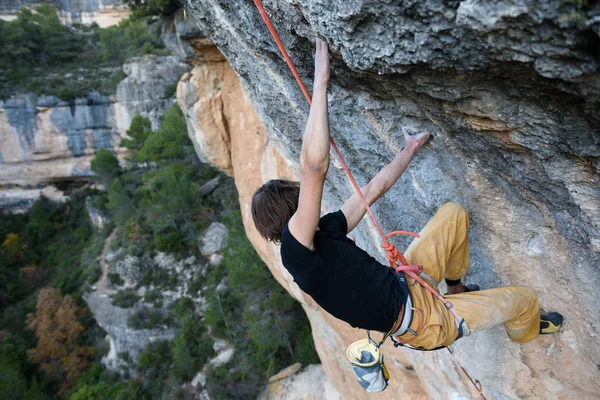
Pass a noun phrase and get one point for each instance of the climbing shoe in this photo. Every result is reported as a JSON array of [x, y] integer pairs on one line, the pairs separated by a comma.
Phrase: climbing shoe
[[468, 288], [550, 323], [471, 288]]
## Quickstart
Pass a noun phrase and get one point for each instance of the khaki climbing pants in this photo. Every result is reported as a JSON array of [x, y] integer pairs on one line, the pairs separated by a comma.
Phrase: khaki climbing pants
[[443, 250]]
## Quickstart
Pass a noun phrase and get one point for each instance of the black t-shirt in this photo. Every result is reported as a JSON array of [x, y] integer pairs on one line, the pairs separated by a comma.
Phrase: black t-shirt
[[342, 278]]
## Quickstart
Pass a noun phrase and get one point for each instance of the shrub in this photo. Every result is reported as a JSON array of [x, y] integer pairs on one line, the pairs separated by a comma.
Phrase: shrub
[[191, 349], [149, 319], [170, 90], [125, 298], [153, 297], [106, 166], [115, 279]]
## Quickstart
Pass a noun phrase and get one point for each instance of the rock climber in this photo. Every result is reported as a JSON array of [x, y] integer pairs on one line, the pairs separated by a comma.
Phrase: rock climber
[[353, 286]]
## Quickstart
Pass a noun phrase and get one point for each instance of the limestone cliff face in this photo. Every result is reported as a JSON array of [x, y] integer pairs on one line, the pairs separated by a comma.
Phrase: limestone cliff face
[[510, 91], [102, 12], [44, 139]]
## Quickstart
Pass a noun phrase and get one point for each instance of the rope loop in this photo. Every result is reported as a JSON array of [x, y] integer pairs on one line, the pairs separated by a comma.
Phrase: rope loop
[[479, 387], [395, 258]]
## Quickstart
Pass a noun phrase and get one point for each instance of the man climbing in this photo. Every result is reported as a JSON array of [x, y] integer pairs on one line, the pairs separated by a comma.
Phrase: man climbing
[[353, 286]]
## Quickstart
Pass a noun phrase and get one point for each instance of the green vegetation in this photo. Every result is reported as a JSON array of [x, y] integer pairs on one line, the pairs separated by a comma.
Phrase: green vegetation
[[106, 166], [115, 279], [146, 8], [153, 297], [125, 298], [53, 245], [149, 319], [576, 11], [39, 54], [267, 327], [154, 203]]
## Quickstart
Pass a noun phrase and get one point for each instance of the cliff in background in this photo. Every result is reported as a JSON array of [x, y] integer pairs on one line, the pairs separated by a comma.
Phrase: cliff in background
[[102, 12], [44, 139], [510, 91]]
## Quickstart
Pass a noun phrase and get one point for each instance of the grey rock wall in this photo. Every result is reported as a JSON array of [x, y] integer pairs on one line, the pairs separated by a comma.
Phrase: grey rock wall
[[510, 91], [102, 12], [148, 89], [45, 139], [64, 5]]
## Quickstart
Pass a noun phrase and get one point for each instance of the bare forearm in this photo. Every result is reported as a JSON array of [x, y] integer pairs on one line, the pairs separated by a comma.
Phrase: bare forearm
[[354, 209], [315, 146], [389, 175]]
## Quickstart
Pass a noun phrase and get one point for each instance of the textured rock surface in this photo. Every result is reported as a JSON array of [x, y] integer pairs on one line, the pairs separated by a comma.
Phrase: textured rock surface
[[45, 139], [214, 238], [510, 91], [310, 383], [114, 320], [121, 337], [18, 200], [145, 90]]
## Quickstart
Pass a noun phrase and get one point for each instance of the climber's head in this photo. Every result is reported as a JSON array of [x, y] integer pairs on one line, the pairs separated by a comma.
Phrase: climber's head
[[273, 204]]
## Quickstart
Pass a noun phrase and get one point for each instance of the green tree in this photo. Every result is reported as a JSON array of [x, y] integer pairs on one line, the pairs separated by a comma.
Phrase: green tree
[[14, 247], [106, 166], [128, 39], [138, 132], [145, 8], [98, 391], [169, 201], [170, 142], [120, 202]]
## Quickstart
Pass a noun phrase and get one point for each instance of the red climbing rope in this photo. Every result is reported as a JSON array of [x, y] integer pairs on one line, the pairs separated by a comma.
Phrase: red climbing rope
[[290, 64], [395, 258]]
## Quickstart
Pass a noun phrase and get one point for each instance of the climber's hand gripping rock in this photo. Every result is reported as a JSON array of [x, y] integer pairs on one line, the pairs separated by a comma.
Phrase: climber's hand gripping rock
[[321, 63], [415, 141]]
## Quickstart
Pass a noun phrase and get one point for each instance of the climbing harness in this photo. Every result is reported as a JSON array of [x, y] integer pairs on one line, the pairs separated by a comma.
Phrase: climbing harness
[[364, 355]]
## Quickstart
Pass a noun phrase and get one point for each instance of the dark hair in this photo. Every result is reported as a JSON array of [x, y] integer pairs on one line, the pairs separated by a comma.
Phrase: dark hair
[[273, 204]]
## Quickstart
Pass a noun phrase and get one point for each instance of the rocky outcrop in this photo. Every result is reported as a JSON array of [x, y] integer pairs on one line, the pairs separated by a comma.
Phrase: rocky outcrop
[[214, 239], [122, 336], [124, 342], [147, 90], [509, 90], [18, 200], [293, 383], [44, 139]]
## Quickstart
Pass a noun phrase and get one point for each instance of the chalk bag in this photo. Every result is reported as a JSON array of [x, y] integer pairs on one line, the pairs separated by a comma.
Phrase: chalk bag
[[368, 366]]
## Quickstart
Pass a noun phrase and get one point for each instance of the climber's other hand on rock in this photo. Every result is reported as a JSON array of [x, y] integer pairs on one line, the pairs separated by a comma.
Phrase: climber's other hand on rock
[[321, 63], [415, 141]]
